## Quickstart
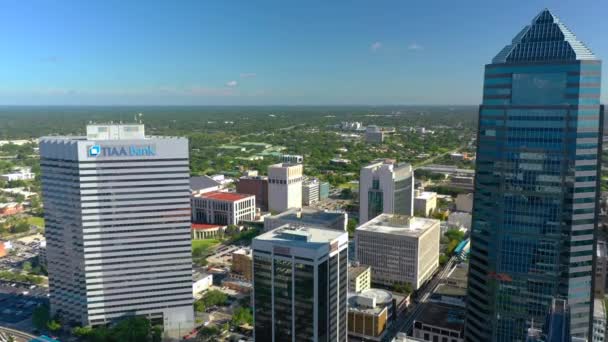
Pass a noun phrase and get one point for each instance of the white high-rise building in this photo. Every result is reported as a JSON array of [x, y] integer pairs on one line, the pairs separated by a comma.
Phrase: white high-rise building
[[117, 217], [300, 285], [284, 186], [386, 187], [310, 191]]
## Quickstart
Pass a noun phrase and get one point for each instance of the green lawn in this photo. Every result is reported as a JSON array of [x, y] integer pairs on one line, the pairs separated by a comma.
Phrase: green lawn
[[36, 221], [202, 247]]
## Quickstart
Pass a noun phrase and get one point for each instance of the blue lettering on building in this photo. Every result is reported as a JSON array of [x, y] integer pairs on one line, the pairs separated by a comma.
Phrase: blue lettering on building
[[122, 151]]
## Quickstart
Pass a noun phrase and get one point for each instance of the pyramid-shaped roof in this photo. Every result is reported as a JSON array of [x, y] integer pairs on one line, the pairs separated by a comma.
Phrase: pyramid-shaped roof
[[546, 39]]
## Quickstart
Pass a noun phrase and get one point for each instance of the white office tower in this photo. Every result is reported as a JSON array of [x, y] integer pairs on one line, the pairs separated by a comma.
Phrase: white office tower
[[300, 285], [386, 187], [117, 216], [284, 186], [310, 192]]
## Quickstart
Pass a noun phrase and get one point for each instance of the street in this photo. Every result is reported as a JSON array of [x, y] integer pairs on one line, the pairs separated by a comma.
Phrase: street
[[406, 319]]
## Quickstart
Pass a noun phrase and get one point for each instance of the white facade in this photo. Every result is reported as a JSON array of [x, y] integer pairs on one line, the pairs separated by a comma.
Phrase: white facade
[[399, 249], [202, 282], [117, 221], [19, 174], [310, 192], [386, 187], [425, 203], [599, 321], [284, 186], [292, 158], [222, 208]]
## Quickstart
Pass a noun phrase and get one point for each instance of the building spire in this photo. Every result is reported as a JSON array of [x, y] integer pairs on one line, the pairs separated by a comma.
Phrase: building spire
[[545, 39]]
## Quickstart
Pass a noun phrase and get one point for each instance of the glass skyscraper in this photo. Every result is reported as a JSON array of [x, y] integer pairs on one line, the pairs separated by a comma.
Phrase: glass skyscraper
[[537, 184]]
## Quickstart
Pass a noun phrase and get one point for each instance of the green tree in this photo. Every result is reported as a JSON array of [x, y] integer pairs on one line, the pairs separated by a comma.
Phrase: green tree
[[157, 333], [40, 316], [53, 325], [232, 230], [82, 331], [133, 329], [20, 227], [242, 315], [454, 234], [405, 288], [208, 334], [443, 259], [351, 226], [209, 299], [27, 266]]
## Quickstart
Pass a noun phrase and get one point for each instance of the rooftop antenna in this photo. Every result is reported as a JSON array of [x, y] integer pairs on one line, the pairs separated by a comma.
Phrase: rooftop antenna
[[141, 117]]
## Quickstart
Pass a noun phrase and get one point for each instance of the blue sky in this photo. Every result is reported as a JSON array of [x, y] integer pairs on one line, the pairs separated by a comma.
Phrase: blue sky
[[265, 52]]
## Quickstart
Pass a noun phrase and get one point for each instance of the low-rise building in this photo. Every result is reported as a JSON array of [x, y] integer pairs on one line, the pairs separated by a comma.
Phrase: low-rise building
[[374, 135], [10, 208], [242, 263], [399, 249], [310, 192], [201, 231], [370, 314], [201, 282], [453, 289], [323, 190], [203, 184], [425, 202], [599, 321], [339, 161], [460, 219], [308, 217], [22, 174], [465, 183], [464, 202], [42, 260], [439, 322], [601, 269], [222, 208], [359, 278]]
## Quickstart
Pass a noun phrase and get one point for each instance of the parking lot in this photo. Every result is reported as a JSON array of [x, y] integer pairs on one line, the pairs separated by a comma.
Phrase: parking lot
[[18, 302]]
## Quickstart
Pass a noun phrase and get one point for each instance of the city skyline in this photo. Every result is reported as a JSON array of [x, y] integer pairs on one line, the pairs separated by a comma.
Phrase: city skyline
[[223, 54]]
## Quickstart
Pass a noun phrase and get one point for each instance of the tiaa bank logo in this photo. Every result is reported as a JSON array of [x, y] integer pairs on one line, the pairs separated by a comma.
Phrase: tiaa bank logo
[[122, 151], [94, 150]]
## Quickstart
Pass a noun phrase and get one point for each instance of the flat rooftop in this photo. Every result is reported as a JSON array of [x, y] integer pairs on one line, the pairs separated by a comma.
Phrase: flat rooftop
[[598, 308], [427, 195], [309, 214], [398, 225], [223, 196], [451, 290], [459, 274], [442, 316], [304, 237], [354, 271]]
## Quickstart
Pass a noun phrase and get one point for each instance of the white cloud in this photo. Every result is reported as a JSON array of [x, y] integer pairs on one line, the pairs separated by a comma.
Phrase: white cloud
[[248, 75], [415, 47], [375, 46], [232, 84]]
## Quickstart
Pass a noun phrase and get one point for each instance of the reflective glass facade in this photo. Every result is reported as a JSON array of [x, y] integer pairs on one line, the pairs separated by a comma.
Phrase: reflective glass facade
[[536, 187], [300, 297]]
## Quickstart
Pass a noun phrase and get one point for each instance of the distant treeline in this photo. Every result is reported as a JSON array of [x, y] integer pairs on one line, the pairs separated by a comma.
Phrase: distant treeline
[[17, 122]]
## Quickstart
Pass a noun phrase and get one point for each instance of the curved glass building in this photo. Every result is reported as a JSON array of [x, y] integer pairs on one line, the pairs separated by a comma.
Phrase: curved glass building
[[537, 184]]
